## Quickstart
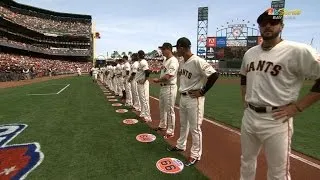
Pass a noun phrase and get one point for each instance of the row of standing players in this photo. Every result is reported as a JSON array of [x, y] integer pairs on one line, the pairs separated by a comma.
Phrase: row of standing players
[[271, 77], [130, 81]]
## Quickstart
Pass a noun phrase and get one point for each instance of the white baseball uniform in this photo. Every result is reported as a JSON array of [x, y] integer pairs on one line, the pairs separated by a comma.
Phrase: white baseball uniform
[[119, 84], [127, 84], [193, 76], [79, 71], [95, 72], [109, 84], [274, 78], [115, 81], [168, 94], [143, 90], [134, 86]]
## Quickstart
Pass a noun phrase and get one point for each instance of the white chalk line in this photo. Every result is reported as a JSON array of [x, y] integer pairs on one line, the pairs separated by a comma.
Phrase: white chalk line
[[42, 94], [46, 94], [317, 166], [63, 89]]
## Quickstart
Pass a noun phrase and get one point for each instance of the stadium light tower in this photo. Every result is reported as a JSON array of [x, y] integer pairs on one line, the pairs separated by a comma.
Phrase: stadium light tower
[[202, 31], [95, 35]]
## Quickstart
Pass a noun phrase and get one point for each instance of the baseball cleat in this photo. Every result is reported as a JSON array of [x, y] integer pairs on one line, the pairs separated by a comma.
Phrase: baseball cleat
[[191, 161], [159, 129], [174, 148]]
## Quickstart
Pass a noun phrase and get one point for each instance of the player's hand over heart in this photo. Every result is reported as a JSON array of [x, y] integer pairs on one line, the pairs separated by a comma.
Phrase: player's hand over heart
[[286, 112], [194, 93]]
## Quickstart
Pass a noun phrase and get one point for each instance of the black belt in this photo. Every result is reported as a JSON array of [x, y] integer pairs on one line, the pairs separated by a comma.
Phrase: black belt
[[260, 109], [166, 84], [184, 93]]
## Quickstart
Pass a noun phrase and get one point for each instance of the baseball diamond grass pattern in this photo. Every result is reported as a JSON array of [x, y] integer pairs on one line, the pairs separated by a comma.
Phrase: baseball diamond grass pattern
[[81, 135], [223, 103]]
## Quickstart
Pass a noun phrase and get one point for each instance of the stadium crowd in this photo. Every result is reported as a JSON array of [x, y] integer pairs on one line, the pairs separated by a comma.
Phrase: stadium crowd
[[45, 23], [46, 50], [18, 67]]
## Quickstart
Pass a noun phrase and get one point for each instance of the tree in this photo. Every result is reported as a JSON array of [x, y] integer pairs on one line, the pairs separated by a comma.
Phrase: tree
[[129, 53], [123, 54]]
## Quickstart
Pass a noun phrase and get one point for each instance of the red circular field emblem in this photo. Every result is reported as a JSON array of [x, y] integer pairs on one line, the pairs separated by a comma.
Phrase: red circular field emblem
[[122, 110], [146, 137], [111, 97], [170, 165], [130, 121], [117, 104], [113, 100]]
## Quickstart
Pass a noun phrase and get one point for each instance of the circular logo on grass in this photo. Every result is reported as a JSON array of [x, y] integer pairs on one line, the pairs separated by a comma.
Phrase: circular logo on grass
[[170, 165], [122, 110], [130, 121], [113, 100], [116, 104], [111, 97], [145, 138]]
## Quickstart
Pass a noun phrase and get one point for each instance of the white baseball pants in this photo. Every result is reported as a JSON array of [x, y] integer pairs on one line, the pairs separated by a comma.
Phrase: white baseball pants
[[128, 93], [167, 100], [115, 85], [191, 117], [261, 129], [135, 95], [120, 86], [143, 91]]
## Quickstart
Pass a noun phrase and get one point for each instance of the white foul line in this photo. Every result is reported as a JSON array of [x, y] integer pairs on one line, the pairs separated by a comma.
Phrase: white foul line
[[63, 89], [42, 94], [317, 166]]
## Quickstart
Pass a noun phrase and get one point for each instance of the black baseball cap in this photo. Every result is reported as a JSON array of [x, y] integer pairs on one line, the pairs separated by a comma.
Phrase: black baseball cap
[[265, 16], [166, 45], [141, 54], [183, 42]]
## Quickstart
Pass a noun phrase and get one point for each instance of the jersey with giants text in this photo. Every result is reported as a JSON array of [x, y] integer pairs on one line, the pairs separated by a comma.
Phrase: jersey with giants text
[[275, 77], [170, 67], [143, 65], [193, 73]]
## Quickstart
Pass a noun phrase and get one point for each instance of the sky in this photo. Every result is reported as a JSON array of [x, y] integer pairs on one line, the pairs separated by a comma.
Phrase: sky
[[131, 25]]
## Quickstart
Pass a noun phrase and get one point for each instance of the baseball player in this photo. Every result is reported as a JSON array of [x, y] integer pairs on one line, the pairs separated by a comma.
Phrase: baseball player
[[125, 74], [133, 81], [271, 77], [95, 72], [115, 78], [79, 71], [196, 78], [119, 78], [143, 86], [168, 91]]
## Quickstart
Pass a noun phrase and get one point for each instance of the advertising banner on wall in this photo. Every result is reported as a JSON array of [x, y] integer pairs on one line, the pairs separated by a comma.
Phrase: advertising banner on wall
[[211, 42], [236, 43], [221, 41], [252, 41], [210, 53]]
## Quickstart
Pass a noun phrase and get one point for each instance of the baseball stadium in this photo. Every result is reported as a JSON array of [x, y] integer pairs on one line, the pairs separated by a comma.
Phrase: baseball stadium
[[64, 116]]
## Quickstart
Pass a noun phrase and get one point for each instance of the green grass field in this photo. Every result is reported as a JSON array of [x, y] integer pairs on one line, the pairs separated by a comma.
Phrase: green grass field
[[223, 103], [80, 134]]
